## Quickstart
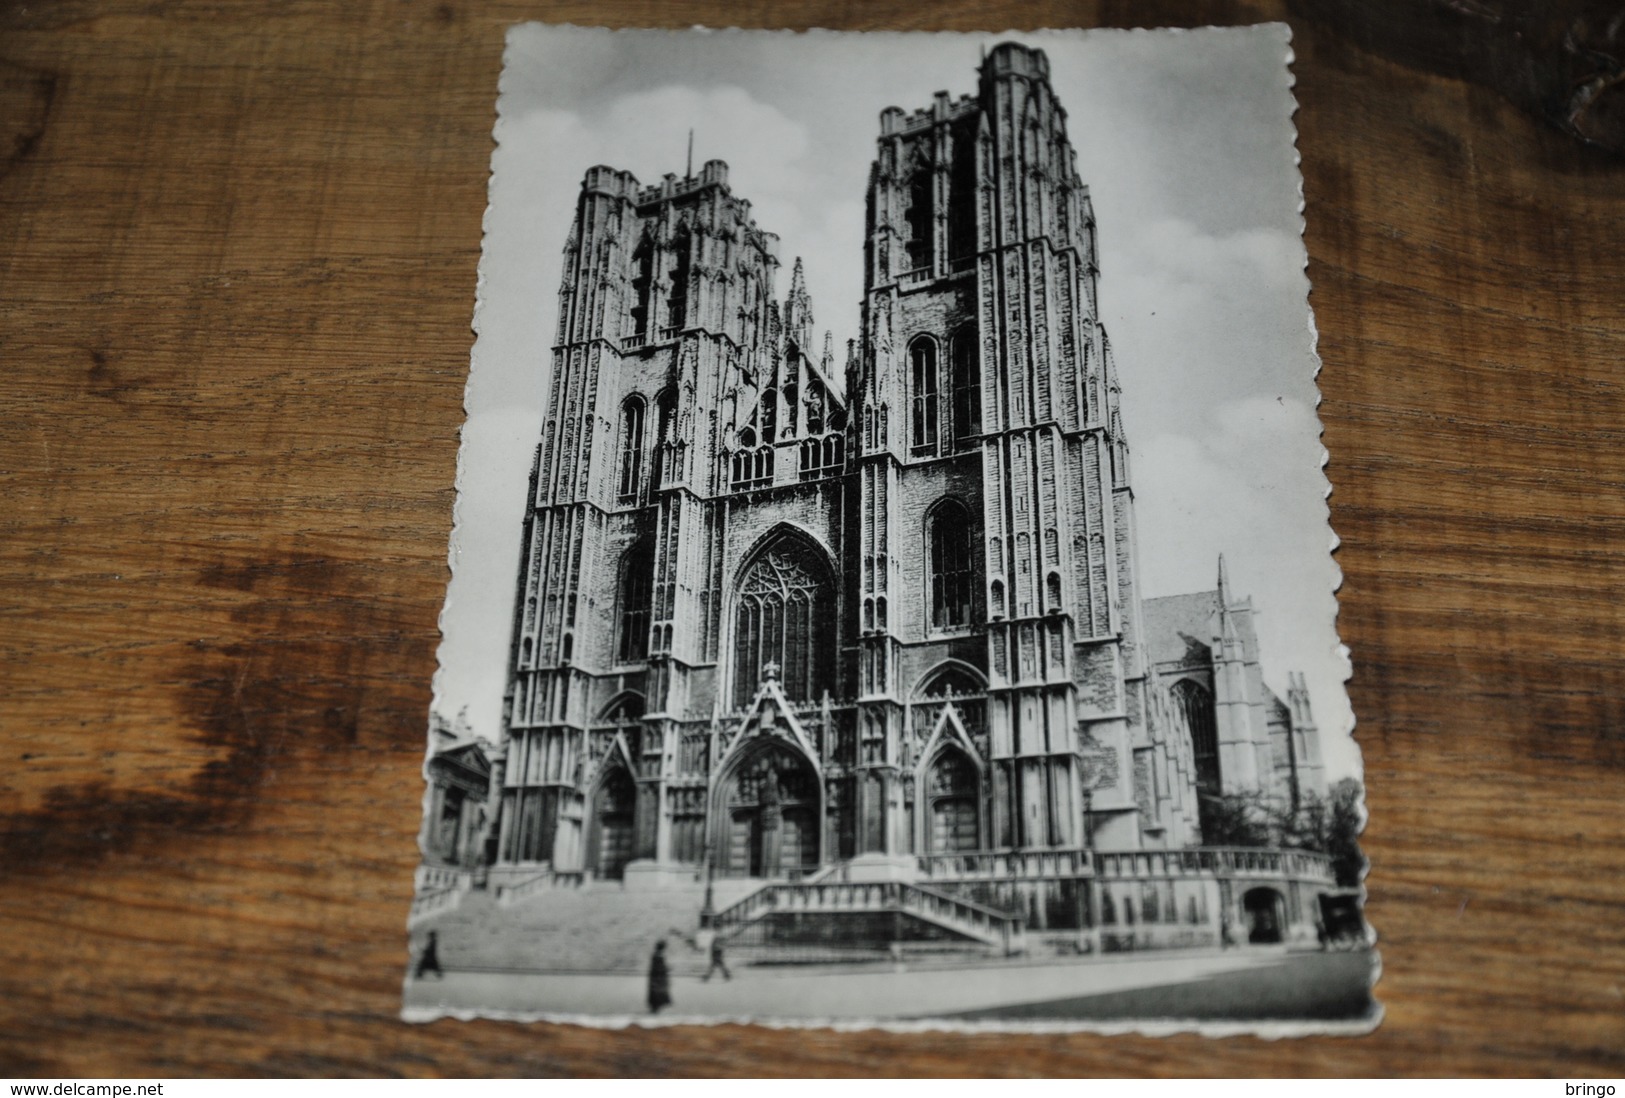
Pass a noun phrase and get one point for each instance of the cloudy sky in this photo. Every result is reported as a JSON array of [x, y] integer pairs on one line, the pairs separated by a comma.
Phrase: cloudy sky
[[1184, 138]]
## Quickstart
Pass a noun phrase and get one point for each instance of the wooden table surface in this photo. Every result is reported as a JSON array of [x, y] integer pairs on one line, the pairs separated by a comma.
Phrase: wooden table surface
[[237, 256]]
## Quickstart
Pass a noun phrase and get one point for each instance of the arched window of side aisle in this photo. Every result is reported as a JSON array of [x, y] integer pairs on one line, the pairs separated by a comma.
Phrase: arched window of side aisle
[[633, 596], [631, 447], [951, 570], [967, 385], [922, 355], [1196, 703]]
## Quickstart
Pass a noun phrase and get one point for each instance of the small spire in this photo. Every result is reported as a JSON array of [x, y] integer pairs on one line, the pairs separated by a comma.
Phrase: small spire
[[689, 173], [1224, 584]]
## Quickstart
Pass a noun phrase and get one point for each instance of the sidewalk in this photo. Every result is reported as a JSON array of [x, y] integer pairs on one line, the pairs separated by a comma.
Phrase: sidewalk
[[836, 993]]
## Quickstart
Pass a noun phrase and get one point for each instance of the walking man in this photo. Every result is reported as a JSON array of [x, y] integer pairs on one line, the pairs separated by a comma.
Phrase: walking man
[[717, 961], [429, 959]]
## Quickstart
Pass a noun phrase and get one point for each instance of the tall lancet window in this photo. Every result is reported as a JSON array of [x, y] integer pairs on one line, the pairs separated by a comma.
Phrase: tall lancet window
[[665, 437], [642, 280], [922, 354], [919, 219], [967, 383], [631, 471], [1196, 704], [633, 596], [785, 614], [952, 572], [677, 300], [962, 201]]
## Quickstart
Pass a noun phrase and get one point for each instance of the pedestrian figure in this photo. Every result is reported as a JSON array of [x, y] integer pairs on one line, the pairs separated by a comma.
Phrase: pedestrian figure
[[659, 979], [717, 960], [429, 959]]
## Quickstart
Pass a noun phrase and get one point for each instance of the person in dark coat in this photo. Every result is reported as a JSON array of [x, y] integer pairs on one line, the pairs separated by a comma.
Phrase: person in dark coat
[[429, 959], [659, 979]]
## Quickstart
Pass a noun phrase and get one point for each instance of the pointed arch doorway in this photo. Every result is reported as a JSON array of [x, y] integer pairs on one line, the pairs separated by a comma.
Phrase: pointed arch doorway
[[768, 813], [952, 793], [611, 837]]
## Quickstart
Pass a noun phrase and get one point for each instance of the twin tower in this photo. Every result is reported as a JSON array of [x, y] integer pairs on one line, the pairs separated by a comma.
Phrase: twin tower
[[779, 610]]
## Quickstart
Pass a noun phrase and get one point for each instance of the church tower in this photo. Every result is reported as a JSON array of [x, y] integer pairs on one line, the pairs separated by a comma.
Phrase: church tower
[[994, 518], [665, 303]]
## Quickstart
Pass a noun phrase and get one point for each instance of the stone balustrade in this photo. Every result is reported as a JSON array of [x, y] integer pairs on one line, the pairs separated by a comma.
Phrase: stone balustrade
[[435, 877], [1218, 861], [1043, 865]]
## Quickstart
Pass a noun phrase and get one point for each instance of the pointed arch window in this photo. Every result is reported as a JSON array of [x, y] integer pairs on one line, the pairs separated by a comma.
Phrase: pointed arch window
[[949, 682], [967, 385], [785, 614], [1196, 705], [631, 464], [770, 415], [922, 355], [952, 572], [632, 599]]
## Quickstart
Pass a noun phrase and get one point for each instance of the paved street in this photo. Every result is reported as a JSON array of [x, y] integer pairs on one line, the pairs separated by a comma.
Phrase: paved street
[[840, 993]]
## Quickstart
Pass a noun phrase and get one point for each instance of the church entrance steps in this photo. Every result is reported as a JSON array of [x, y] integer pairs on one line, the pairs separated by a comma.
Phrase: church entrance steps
[[597, 926]]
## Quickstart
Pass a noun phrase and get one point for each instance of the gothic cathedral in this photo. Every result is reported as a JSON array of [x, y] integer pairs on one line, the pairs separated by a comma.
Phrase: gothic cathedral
[[781, 611]]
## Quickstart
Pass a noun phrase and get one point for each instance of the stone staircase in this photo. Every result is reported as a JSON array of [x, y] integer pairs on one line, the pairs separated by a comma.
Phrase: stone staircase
[[963, 918], [595, 927]]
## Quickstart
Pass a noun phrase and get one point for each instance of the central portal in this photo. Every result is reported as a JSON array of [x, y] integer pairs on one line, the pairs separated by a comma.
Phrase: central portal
[[770, 815]]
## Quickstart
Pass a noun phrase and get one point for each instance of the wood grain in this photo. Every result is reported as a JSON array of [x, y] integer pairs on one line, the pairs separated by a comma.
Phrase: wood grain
[[237, 256]]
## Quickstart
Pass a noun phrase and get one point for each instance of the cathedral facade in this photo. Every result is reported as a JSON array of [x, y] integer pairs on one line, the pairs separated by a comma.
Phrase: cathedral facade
[[784, 609]]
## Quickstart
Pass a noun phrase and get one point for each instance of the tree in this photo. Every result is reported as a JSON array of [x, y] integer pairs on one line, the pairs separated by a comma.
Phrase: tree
[[1327, 825], [1236, 819], [1343, 831]]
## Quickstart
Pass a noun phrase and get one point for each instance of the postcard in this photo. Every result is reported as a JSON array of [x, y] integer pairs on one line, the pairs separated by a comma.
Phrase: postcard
[[892, 582]]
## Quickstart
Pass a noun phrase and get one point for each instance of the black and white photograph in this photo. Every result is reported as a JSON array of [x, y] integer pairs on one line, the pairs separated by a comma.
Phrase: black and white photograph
[[891, 580]]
